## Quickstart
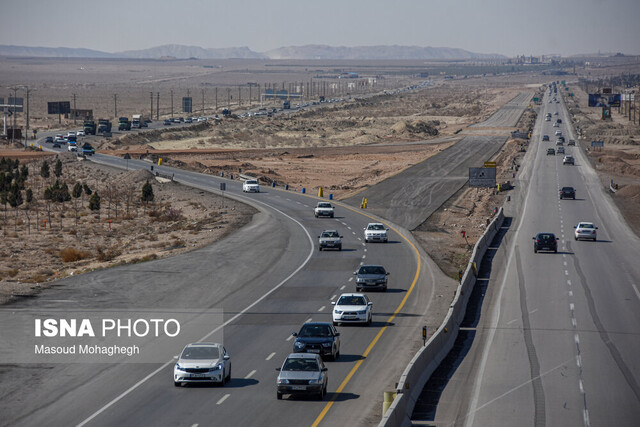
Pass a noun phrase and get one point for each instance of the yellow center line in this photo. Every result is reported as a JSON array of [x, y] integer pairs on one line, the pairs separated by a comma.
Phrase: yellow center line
[[351, 373]]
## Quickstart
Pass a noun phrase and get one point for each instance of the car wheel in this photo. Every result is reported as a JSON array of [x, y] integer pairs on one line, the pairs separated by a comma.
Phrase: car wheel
[[321, 394], [575, 237], [335, 323], [229, 375], [369, 321], [177, 384], [358, 289], [320, 248], [279, 395], [535, 251], [555, 251], [384, 289], [340, 248]]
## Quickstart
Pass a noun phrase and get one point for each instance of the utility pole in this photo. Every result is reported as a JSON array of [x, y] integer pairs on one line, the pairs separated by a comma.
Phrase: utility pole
[[203, 102], [26, 136], [115, 105], [172, 103], [157, 107], [74, 109], [151, 115], [229, 98], [239, 96], [249, 95], [216, 99], [15, 95]]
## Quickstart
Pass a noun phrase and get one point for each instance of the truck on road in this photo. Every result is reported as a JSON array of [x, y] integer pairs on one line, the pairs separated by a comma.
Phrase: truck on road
[[89, 127], [104, 126], [124, 123], [136, 121]]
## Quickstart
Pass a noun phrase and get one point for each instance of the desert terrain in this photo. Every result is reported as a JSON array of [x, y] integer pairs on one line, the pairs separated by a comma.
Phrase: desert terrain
[[342, 147]]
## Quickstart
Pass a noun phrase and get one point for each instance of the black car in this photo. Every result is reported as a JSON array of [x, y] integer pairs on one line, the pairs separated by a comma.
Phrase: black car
[[56, 145], [371, 277], [567, 193], [551, 151], [559, 121], [49, 140], [545, 242], [167, 122], [545, 137], [318, 337]]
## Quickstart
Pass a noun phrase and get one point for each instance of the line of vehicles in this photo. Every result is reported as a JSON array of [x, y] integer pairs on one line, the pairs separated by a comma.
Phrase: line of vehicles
[[303, 372], [70, 140], [583, 230]]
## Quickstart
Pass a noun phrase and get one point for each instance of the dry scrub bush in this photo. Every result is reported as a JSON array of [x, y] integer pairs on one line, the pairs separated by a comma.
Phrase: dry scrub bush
[[71, 254], [13, 272], [107, 254]]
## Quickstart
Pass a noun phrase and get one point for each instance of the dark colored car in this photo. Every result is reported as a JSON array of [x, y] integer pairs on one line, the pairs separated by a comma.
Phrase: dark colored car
[[371, 277], [49, 140], [545, 242], [559, 121], [567, 193], [561, 138], [318, 337], [545, 137], [551, 152], [572, 142], [56, 145], [167, 122], [88, 149]]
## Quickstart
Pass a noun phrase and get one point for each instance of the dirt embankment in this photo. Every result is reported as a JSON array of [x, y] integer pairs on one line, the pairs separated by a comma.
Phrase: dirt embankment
[[43, 240], [619, 160]]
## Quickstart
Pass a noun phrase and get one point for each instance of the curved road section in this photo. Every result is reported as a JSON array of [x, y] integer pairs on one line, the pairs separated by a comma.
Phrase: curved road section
[[557, 342], [268, 278]]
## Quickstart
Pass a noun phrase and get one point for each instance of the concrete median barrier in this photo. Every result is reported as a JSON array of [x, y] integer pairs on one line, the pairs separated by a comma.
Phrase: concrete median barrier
[[428, 358]]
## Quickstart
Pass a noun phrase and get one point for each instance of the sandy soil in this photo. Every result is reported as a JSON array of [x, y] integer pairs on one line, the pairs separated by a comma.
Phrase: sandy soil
[[178, 220]]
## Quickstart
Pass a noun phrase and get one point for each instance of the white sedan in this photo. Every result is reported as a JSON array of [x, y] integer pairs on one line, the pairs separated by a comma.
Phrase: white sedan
[[586, 230], [80, 132], [352, 308], [202, 362]]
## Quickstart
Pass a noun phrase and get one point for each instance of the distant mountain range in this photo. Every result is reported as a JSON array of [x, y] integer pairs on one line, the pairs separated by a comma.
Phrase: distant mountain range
[[289, 52]]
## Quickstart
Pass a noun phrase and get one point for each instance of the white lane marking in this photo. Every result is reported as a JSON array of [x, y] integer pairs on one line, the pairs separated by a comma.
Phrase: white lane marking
[[576, 338], [361, 263], [343, 223], [360, 239], [364, 256], [195, 425], [342, 287], [350, 279], [250, 374], [289, 338], [564, 256], [298, 203], [574, 323], [565, 263], [348, 228], [332, 297], [581, 386], [322, 308], [271, 355], [308, 320], [288, 199], [566, 273], [225, 397], [233, 319], [636, 289], [570, 293], [579, 361], [585, 415], [511, 321], [533, 311], [365, 249], [353, 232], [306, 206], [569, 282], [571, 307]]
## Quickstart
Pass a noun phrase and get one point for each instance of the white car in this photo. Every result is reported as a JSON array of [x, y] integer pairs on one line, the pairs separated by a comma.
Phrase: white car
[[202, 362], [73, 147], [376, 232], [251, 186], [586, 230], [556, 125], [558, 133], [71, 133], [352, 308], [80, 133], [323, 209]]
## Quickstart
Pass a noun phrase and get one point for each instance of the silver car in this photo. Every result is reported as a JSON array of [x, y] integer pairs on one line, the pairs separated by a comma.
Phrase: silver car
[[330, 239], [202, 362], [302, 373]]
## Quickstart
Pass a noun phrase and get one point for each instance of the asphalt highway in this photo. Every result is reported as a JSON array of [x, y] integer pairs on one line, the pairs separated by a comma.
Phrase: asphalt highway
[[557, 342], [269, 278]]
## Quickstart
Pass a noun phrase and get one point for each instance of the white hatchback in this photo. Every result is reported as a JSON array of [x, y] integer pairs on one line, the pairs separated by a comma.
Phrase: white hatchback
[[352, 308]]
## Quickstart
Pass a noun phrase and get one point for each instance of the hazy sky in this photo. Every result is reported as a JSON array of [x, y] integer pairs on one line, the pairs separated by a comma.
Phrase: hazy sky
[[509, 27]]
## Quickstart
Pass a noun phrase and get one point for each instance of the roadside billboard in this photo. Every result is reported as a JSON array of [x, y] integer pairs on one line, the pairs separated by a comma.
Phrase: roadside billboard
[[59, 107], [482, 177], [604, 100], [187, 104]]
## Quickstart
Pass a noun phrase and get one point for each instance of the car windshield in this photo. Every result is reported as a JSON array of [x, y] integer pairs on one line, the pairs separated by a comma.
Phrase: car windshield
[[200, 353], [324, 205], [351, 300], [300, 364], [252, 182], [330, 234], [315, 331], [371, 270], [376, 227]]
